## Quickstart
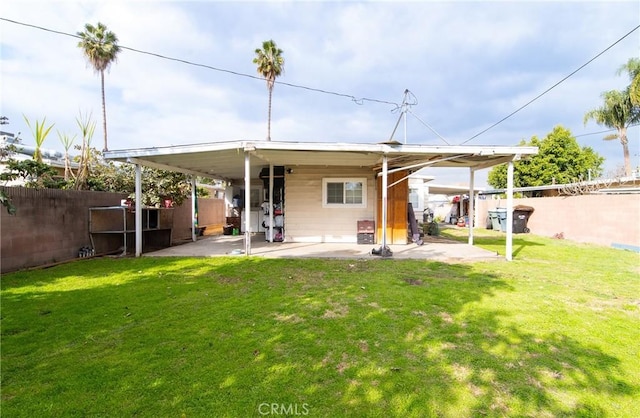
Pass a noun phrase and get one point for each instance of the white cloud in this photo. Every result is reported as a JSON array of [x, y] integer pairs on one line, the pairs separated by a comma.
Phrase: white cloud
[[469, 64]]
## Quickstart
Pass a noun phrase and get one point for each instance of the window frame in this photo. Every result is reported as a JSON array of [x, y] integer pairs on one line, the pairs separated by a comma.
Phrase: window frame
[[344, 180]]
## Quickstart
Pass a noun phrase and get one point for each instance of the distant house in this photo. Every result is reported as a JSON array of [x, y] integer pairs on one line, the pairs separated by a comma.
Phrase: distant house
[[54, 159], [444, 202]]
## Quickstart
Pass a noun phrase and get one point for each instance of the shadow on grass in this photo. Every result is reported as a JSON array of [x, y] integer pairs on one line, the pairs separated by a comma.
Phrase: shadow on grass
[[519, 243], [222, 337], [492, 240]]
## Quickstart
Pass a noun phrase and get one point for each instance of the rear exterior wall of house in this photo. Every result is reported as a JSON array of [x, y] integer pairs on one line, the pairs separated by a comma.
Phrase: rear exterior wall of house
[[308, 219]]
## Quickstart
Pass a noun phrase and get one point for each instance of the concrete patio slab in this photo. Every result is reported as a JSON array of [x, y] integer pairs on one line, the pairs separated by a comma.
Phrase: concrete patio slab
[[434, 248]]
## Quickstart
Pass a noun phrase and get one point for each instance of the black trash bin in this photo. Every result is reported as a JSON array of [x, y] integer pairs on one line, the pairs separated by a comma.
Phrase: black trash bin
[[521, 216]]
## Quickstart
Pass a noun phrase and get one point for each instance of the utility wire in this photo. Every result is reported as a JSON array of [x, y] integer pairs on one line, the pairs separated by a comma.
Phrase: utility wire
[[359, 101], [355, 99], [552, 87], [605, 131]]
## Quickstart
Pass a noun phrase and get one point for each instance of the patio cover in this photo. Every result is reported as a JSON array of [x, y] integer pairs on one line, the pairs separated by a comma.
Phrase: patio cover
[[233, 160]]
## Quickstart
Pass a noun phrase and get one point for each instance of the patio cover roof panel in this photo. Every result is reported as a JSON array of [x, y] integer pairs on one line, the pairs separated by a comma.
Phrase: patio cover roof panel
[[226, 159]]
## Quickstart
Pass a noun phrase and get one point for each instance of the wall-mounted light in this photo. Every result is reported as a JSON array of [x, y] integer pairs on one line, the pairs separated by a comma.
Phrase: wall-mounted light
[[289, 170]]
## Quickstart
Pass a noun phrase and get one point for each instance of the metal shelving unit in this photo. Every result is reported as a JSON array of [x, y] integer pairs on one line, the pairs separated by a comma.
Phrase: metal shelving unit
[[117, 225]]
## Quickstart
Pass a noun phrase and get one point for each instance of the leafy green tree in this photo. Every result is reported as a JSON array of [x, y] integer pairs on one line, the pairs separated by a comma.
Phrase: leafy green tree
[[157, 185], [100, 47], [560, 159], [6, 150], [94, 172], [36, 174], [619, 112], [270, 63], [6, 201], [108, 176]]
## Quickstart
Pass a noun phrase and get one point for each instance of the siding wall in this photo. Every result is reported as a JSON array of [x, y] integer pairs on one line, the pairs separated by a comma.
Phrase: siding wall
[[305, 218]]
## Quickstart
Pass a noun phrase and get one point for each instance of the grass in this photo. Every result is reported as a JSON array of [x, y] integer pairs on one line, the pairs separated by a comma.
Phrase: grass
[[553, 333]]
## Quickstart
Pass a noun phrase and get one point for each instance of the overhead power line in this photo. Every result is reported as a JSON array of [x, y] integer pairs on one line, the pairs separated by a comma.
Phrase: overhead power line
[[552, 87], [605, 131], [357, 100]]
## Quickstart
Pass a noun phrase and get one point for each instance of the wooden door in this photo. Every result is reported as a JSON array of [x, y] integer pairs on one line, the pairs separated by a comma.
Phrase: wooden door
[[397, 201]]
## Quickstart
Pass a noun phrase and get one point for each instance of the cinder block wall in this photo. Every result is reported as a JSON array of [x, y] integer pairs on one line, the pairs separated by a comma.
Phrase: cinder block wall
[[49, 226], [52, 225], [597, 219]]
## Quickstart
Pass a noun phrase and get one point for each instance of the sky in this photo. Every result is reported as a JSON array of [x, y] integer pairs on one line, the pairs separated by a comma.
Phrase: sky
[[467, 65]]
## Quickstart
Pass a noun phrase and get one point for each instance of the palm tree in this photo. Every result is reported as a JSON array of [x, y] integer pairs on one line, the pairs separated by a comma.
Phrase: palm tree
[[632, 68], [634, 90], [619, 112], [270, 66], [100, 47]]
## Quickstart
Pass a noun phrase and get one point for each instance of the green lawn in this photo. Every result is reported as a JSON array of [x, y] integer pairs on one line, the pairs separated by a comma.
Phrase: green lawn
[[553, 333]]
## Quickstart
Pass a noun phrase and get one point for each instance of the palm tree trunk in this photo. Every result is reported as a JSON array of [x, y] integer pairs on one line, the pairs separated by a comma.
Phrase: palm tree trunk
[[625, 150], [104, 112], [269, 116]]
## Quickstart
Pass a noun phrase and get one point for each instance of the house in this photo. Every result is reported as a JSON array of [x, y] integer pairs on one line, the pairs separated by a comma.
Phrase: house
[[445, 202], [53, 159], [321, 190], [419, 193]]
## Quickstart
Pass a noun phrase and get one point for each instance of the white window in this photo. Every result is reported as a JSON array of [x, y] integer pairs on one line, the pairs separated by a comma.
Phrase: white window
[[344, 192]]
